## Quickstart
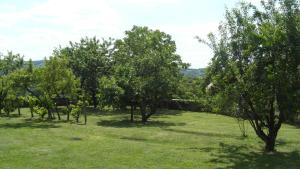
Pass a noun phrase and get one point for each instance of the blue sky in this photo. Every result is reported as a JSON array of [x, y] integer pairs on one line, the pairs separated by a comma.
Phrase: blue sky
[[34, 28]]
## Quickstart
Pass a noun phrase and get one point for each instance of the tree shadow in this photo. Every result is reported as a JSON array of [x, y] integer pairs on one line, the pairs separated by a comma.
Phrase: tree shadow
[[30, 123], [10, 115], [166, 112], [125, 123], [244, 157], [27, 125], [206, 134], [134, 139], [295, 123]]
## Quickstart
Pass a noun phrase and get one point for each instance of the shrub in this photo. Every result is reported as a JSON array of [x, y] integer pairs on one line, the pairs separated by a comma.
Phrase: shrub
[[40, 111]]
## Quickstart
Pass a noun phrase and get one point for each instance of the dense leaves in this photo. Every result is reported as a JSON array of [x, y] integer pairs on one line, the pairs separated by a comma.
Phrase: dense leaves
[[255, 70]]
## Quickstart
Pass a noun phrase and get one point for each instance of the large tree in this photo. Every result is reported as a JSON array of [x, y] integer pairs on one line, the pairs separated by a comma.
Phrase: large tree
[[256, 64], [147, 67]]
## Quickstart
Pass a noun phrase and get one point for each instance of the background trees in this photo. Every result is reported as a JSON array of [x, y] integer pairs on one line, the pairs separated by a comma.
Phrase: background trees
[[255, 65]]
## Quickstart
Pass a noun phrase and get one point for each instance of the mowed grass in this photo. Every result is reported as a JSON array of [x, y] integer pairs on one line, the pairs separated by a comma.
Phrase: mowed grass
[[171, 139]]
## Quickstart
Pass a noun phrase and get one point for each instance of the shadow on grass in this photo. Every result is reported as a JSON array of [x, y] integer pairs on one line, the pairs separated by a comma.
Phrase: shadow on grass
[[133, 139], [10, 115], [28, 125], [31, 123], [207, 134], [125, 123], [243, 157]]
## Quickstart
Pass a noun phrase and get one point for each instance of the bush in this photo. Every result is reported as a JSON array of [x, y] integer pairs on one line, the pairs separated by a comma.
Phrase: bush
[[76, 110], [40, 111]]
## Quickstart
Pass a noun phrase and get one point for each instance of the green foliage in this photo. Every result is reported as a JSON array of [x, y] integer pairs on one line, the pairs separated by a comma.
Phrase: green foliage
[[40, 111], [10, 62], [58, 80], [255, 67], [77, 109], [89, 60], [65, 110], [109, 92], [147, 62]]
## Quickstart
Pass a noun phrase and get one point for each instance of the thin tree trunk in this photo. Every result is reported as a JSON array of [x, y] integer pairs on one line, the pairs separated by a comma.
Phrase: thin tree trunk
[[85, 117], [131, 113], [31, 111], [68, 112], [94, 98], [56, 109], [143, 113], [19, 111], [49, 114]]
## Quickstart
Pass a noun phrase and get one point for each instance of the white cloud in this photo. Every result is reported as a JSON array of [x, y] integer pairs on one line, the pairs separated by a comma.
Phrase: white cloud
[[188, 47], [57, 22], [151, 2]]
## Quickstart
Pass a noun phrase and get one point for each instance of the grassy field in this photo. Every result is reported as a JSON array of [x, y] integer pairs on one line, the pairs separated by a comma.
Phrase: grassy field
[[175, 140]]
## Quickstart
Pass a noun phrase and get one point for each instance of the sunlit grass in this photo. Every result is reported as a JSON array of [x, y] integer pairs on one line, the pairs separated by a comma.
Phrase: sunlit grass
[[171, 139]]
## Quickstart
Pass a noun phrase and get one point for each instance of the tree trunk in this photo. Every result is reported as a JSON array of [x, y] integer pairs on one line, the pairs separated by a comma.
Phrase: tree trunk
[[49, 113], [31, 111], [143, 113], [68, 115], [131, 113], [56, 109], [85, 116], [270, 144], [19, 111], [270, 141], [94, 98], [68, 112]]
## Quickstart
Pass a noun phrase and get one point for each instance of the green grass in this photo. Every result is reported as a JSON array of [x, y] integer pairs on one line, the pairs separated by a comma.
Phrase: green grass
[[172, 140]]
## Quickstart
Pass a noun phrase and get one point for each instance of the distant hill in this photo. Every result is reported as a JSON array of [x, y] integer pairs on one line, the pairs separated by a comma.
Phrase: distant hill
[[38, 63], [194, 72], [188, 72]]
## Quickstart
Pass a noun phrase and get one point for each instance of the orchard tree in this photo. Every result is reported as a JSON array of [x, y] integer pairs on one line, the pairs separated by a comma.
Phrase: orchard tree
[[90, 60], [8, 64], [147, 61], [256, 64], [57, 81]]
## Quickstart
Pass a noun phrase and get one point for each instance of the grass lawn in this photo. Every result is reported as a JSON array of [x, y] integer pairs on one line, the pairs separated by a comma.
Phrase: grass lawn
[[175, 139]]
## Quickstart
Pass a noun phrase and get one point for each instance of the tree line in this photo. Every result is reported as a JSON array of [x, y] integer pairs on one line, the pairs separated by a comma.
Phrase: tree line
[[140, 70]]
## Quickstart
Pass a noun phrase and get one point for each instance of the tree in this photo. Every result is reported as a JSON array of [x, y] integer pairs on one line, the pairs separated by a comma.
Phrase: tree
[[90, 60], [8, 64], [147, 62], [57, 81], [256, 65]]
